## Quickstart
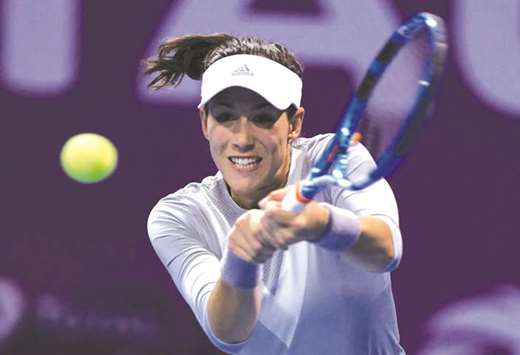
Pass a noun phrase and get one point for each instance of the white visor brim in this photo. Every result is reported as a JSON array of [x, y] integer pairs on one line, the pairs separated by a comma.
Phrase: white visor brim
[[276, 83]]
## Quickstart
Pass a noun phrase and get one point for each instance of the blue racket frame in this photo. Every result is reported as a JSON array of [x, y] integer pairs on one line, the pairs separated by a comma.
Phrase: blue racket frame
[[335, 155]]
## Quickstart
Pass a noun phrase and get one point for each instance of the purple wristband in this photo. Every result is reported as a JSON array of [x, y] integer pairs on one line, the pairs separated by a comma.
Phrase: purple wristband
[[239, 273], [342, 231]]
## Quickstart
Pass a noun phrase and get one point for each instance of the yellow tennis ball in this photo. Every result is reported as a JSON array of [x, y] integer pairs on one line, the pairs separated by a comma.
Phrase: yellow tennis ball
[[88, 158]]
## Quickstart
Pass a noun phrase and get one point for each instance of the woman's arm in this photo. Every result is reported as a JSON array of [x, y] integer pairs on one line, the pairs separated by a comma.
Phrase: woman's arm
[[374, 249], [234, 303], [226, 313], [368, 241], [233, 312]]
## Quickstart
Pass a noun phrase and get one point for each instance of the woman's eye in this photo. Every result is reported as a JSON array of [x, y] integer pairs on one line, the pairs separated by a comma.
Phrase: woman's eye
[[223, 117], [265, 120]]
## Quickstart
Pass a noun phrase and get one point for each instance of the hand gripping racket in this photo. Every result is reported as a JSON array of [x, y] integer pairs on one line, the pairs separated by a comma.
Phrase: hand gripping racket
[[391, 105]]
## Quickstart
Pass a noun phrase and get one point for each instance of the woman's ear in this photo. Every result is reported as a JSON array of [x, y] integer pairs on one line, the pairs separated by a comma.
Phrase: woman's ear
[[295, 127], [204, 121]]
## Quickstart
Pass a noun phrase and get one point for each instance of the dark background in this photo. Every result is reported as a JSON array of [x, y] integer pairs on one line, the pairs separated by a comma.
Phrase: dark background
[[86, 245]]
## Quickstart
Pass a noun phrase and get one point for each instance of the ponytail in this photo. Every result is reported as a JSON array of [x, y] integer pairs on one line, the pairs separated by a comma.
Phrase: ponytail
[[182, 55], [192, 54]]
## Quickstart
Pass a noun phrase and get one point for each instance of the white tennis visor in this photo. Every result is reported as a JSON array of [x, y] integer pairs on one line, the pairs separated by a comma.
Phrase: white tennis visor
[[276, 83]]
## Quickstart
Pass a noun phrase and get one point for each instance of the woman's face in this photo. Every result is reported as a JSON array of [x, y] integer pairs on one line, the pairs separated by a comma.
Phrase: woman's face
[[249, 143]]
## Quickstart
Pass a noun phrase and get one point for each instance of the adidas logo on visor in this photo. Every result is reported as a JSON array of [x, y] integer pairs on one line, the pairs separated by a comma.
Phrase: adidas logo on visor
[[242, 70]]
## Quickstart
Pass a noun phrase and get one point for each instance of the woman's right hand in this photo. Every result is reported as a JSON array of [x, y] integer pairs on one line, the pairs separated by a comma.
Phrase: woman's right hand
[[249, 238]]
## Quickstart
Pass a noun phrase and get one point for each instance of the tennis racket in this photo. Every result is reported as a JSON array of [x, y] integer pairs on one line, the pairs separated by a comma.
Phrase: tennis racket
[[389, 108]]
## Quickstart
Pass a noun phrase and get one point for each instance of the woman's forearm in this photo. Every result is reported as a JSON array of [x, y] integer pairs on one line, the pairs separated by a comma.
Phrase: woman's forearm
[[233, 312], [374, 250]]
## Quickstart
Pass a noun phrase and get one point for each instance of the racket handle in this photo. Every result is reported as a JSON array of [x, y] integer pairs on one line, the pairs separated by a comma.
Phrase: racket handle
[[292, 203]]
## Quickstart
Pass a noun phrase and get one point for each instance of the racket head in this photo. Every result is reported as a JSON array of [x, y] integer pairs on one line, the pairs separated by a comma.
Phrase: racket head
[[393, 101], [389, 116]]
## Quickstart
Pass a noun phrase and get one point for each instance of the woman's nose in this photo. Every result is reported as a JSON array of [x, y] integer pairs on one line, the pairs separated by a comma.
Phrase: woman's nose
[[243, 135]]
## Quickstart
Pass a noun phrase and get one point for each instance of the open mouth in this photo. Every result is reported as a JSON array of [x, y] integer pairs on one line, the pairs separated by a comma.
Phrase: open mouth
[[245, 162]]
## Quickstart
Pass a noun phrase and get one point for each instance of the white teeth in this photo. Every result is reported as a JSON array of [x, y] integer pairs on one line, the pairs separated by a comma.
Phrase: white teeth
[[244, 162]]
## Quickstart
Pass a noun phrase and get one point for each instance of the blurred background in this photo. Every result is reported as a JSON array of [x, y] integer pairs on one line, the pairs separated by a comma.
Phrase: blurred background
[[77, 272]]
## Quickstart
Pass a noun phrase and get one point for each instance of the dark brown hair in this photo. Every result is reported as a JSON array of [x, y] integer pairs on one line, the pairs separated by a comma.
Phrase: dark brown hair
[[192, 54]]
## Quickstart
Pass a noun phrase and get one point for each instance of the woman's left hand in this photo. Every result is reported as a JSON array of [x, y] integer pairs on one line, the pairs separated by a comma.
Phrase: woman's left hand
[[290, 227]]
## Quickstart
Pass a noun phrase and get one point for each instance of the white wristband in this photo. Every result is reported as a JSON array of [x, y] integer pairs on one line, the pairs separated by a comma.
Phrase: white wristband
[[239, 273], [342, 231]]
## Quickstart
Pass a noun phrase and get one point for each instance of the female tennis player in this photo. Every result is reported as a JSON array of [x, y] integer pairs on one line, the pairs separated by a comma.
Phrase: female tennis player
[[262, 280]]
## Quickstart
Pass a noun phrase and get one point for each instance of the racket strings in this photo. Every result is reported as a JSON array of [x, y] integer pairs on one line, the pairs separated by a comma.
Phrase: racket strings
[[394, 97]]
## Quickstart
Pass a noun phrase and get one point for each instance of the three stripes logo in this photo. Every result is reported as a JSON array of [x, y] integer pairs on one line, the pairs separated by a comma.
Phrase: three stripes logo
[[242, 70]]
